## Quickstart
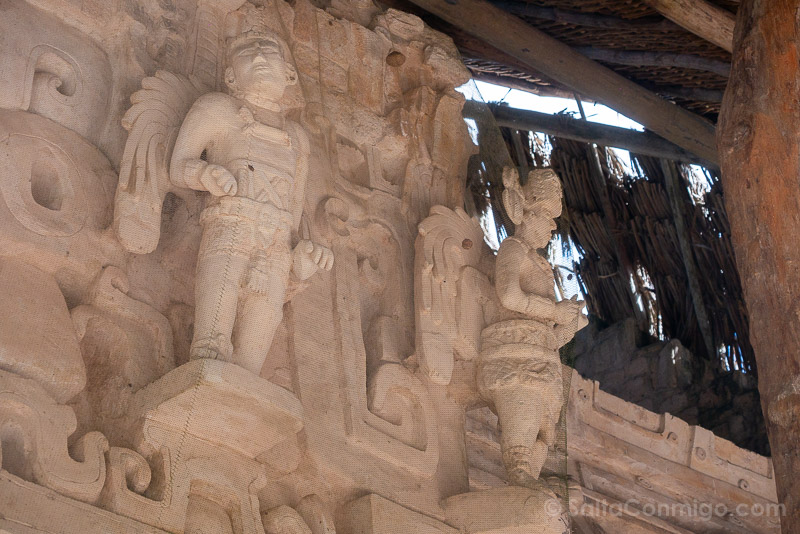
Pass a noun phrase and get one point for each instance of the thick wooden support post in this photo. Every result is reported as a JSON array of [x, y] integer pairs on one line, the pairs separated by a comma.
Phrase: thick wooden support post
[[702, 18], [568, 67], [760, 150]]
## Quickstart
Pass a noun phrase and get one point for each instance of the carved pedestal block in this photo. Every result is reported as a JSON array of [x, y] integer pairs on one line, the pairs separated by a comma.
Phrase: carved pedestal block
[[510, 510], [207, 425], [373, 514], [219, 402]]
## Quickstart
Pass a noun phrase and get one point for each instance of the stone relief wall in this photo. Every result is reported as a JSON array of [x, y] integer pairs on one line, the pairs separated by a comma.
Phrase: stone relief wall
[[241, 294], [228, 302]]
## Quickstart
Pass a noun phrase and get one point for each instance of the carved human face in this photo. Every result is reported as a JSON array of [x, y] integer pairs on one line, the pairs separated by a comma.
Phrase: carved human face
[[258, 66], [535, 230]]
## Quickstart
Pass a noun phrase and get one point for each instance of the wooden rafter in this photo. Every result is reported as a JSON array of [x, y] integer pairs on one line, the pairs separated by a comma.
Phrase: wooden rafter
[[700, 17], [656, 59], [588, 132]]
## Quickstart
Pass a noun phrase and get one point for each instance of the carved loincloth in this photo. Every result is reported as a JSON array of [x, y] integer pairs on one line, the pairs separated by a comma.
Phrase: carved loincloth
[[237, 226]]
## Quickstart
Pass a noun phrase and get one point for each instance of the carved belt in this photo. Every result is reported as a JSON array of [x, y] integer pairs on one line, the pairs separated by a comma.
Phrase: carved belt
[[519, 331], [264, 214], [245, 227]]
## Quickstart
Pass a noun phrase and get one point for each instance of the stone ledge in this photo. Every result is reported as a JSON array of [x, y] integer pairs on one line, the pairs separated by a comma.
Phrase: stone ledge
[[219, 402]]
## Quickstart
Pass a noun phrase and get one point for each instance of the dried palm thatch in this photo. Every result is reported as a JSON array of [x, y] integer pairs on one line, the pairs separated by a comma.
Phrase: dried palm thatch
[[636, 258], [635, 249]]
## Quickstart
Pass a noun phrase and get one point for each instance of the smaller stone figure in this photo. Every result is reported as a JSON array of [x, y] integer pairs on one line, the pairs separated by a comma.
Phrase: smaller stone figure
[[524, 278], [519, 370]]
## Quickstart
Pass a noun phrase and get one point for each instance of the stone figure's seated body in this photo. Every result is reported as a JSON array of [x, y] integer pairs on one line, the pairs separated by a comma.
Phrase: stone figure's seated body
[[519, 372]]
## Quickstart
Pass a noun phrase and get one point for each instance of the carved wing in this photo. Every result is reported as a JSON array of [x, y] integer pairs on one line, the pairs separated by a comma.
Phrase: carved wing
[[153, 121], [448, 241]]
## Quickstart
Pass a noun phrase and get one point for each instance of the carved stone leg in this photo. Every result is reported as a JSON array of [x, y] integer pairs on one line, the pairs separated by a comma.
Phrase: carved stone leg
[[523, 423], [258, 320], [219, 280]]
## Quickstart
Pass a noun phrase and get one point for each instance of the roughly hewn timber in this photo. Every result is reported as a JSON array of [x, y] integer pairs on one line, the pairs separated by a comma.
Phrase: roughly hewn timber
[[760, 151], [568, 67], [702, 18], [563, 126], [656, 59], [518, 83], [591, 20], [689, 93]]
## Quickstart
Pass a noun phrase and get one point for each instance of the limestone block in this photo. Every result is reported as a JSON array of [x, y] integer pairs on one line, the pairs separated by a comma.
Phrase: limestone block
[[208, 428], [29, 508], [37, 339], [674, 367], [373, 514], [34, 430], [222, 403], [511, 510]]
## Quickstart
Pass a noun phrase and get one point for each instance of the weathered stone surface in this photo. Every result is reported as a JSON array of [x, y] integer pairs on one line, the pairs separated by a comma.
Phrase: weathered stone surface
[[241, 294], [37, 339], [625, 462]]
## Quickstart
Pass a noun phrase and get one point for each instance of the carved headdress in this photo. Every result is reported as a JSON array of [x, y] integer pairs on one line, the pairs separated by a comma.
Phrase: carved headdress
[[540, 196], [250, 23]]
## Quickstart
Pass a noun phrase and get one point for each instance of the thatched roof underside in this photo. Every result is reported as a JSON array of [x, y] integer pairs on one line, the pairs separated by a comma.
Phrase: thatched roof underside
[[625, 35]]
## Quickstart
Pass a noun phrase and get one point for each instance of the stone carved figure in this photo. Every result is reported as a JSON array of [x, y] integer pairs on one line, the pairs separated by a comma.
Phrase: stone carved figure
[[519, 370], [523, 277], [241, 148], [449, 243]]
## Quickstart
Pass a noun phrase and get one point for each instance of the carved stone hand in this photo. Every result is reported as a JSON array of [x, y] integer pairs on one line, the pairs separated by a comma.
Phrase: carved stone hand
[[218, 181], [568, 310], [309, 257]]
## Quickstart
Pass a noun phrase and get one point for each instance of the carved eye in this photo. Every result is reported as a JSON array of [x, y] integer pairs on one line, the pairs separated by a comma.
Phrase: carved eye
[[539, 368]]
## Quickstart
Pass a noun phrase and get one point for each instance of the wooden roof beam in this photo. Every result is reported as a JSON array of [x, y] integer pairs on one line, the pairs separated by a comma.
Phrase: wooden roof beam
[[566, 66], [700, 17], [563, 126], [639, 58]]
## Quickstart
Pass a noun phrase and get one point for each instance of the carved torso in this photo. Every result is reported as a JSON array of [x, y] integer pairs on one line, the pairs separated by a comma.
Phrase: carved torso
[[263, 158], [535, 273]]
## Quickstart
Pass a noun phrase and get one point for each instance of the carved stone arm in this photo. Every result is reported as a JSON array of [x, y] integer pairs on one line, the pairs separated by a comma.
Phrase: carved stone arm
[[204, 124], [309, 257]]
